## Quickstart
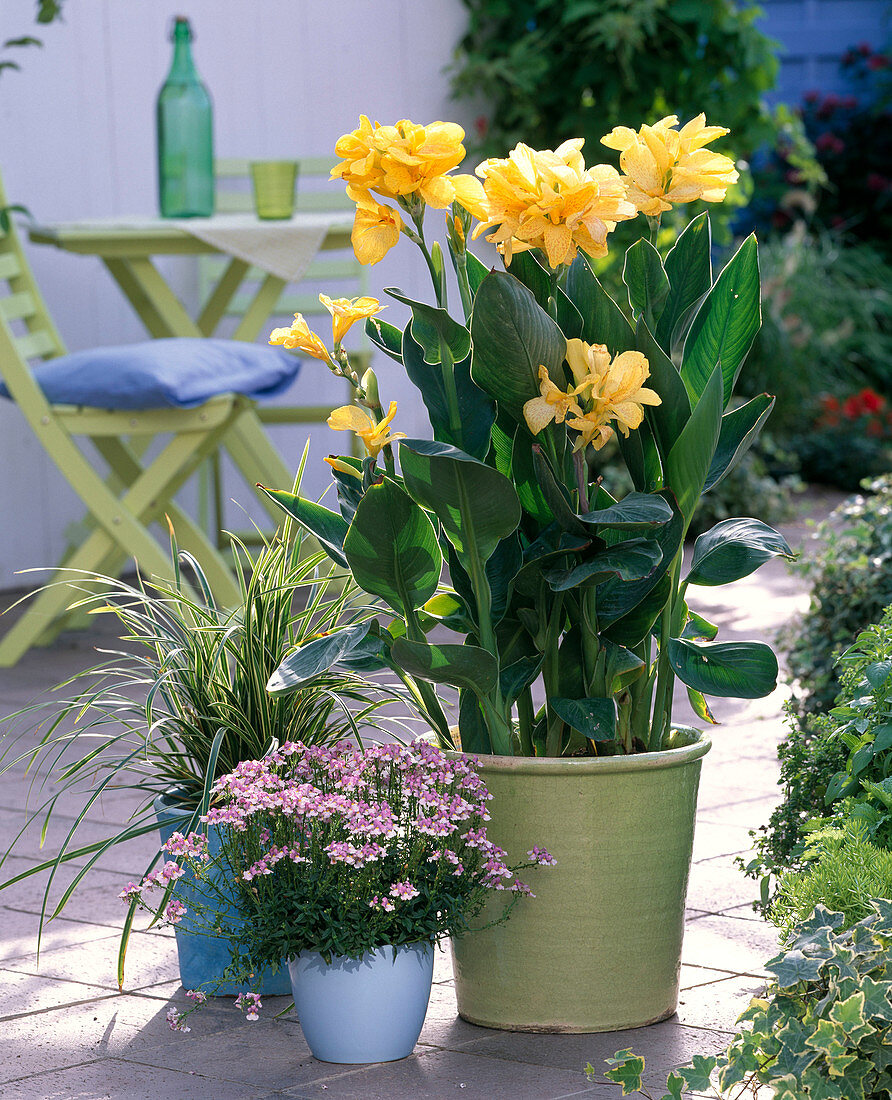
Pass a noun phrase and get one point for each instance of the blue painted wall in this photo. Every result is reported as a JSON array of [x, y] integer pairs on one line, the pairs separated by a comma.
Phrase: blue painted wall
[[814, 34]]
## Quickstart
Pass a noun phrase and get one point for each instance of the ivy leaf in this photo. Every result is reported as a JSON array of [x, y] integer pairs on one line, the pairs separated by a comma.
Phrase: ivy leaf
[[626, 1070], [849, 1014], [793, 967], [697, 1074]]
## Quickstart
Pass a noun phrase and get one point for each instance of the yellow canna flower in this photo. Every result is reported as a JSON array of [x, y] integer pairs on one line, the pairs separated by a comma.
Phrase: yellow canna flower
[[615, 391], [546, 199], [554, 404], [375, 436], [402, 160], [376, 228], [300, 337], [345, 311], [664, 165]]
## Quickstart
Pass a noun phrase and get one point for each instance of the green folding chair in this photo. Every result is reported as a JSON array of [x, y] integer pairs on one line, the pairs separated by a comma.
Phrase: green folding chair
[[339, 276], [135, 491]]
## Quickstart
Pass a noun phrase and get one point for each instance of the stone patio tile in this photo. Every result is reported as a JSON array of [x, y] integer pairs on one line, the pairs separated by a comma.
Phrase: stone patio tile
[[110, 1079], [443, 1027], [265, 1054], [730, 944], [665, 1045], [717, 884], [444, 1073], [735, 806], [693, 976], [22, 993], [150, 961], [74, 1034], [129, 860], [95, 899], [718, 840], [19, 934], [717, 1004]]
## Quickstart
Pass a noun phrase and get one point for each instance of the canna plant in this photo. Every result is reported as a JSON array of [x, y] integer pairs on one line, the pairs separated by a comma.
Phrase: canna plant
[[570, 608]]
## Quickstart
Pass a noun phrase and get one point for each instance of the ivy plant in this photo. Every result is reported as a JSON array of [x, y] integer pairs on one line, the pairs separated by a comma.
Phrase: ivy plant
[[822, 1030]]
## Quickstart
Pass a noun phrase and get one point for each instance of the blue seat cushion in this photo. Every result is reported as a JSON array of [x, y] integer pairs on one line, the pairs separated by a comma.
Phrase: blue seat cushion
[[180, 373]]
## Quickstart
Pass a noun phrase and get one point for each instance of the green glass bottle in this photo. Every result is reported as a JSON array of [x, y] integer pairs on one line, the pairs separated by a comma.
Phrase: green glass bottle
[[185, 135]]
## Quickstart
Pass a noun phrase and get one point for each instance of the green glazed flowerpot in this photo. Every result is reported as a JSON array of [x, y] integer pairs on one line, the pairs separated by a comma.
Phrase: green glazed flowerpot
[[599, 948]]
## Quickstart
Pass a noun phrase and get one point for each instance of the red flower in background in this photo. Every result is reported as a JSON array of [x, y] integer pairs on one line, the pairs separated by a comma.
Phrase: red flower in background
[[871, 400]]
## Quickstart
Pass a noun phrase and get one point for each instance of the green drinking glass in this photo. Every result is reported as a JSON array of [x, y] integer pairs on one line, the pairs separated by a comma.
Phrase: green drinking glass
[[274, 183]]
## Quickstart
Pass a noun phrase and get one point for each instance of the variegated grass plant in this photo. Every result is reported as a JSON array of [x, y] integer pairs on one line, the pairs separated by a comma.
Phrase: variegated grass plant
[[184, 701]]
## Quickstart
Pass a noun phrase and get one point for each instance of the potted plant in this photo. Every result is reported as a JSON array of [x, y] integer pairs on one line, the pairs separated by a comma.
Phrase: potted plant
[[351, 863], [570, 606], [185, 702]]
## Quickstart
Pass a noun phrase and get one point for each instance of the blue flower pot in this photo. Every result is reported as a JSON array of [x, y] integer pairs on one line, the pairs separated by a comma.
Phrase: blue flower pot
[[369, 1009], [203, 957]]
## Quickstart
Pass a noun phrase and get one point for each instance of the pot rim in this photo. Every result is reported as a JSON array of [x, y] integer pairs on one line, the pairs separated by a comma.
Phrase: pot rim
[[559, 765]]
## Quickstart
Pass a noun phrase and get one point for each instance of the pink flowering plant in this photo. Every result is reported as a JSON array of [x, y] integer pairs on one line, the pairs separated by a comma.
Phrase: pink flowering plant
[[338, 850]]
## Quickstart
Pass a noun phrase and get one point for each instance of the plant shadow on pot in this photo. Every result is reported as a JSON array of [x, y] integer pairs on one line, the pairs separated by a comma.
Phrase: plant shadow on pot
[[369, 1009]]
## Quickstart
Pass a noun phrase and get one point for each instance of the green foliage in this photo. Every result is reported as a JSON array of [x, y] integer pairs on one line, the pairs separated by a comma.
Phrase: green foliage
[[837, 764], [552, 69], [852, 145], [550, 577], [843, 871], [820, 1032], [851, 585], [809, 756], [826, 328]]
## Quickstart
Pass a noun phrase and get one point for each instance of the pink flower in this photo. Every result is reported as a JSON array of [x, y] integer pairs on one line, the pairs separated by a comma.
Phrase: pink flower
[[176, 1021], [382, 903], [130, 892], [404, 890], [174, 911], [542, 857], [250, 1004], [194, 845], [197, 996], [171, 871]]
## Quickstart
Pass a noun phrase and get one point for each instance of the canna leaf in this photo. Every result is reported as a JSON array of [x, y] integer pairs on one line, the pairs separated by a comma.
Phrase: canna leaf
[[392, 549], [735, 670]]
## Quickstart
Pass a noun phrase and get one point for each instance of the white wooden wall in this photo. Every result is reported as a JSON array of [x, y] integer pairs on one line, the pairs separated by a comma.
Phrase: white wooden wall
[[77, 140]]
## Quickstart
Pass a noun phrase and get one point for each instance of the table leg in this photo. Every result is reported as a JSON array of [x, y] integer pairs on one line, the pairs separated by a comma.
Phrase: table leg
[[214, 309], [260, 309], [158, 307]]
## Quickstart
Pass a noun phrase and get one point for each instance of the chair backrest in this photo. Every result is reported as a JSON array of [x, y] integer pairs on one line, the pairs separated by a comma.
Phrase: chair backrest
[[336, 274], [27, 331]]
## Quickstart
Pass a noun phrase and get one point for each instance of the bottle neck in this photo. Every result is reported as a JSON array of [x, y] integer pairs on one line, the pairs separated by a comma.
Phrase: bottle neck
[[182, 68]]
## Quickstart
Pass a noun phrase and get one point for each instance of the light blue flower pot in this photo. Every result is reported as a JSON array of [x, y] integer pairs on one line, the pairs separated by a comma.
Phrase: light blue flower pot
[[369, 1009], [202, 957]]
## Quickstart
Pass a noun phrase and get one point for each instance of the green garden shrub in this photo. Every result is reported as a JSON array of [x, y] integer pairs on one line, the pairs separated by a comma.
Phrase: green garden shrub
[[843, 871], [549, 70], [851, 585]]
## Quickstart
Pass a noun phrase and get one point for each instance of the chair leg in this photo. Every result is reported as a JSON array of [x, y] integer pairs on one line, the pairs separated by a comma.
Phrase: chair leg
[[120, 457], [121, 531]]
